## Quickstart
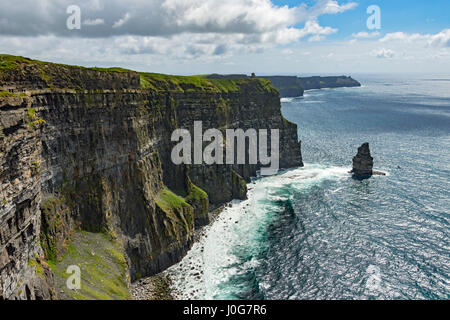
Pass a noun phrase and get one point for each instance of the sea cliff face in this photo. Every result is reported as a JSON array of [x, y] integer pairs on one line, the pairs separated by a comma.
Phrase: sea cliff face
[[287, 86], [295, 86], [292, 86], [87, 151], [309, 83]]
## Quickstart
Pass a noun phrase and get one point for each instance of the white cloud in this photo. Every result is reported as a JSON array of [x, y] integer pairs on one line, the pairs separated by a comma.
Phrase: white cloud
[[402, 36], [318, 32], [198, 54], [366, 35], [331, 7], [162, 17], [200, 36], [95, 22], [122, 21], [384, 53], [316, 38], [441, 39], [173, 28], [287, 51]]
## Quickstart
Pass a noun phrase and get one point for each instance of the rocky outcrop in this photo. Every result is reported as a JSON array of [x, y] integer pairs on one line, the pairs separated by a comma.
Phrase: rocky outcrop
[[363, 162], [89, 149]]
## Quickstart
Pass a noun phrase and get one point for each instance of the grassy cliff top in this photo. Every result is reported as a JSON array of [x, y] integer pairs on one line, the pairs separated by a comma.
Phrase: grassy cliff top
[[198, 83], [10, 62], [24, 73]]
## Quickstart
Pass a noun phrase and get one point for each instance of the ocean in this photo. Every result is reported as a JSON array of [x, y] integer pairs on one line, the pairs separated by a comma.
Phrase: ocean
[[316, 233]]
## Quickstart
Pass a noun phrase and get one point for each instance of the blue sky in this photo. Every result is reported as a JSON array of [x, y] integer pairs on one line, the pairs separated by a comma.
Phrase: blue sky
[[233, 36], [397, 15]]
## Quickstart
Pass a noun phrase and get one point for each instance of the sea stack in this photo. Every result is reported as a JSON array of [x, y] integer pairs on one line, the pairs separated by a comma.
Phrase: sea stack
[[363, 163]]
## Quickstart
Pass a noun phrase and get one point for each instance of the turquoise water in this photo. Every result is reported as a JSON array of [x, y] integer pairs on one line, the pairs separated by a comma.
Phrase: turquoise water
[[314, 232]]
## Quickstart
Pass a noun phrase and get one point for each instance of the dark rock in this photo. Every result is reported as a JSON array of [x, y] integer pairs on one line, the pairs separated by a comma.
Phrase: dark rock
[[309, 83], [363, 163], [378, 173], [88, 149], [288, 86]]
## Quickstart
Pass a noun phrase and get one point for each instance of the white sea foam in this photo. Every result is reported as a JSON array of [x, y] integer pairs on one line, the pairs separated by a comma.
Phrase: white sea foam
[[214, 258], [313, 101]]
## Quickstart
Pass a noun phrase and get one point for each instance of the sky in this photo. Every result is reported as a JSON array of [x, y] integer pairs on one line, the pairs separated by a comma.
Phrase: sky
[[233, 36]]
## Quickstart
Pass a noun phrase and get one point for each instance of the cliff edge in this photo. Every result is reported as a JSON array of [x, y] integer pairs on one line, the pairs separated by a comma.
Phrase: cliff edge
[[293, 86], [85, 158]]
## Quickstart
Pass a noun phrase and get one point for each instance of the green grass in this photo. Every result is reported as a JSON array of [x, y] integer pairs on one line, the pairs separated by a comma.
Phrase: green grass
[[198, 198], [162, 82], [33, 120], [103, 268], [5, 94], [114, 69], [12, 62], [169, 200], [196, 194], [153, 81], [178, 211], [8, 61], [34, 263], [31, 112], [36, 123], [227, 85]]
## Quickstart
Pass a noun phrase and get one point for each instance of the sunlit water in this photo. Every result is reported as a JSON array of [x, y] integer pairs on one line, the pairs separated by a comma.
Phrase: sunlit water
[[314, 232]]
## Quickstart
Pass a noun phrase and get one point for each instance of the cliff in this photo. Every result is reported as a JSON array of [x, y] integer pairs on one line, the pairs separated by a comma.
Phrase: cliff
[[287, 86], [85, 165], [292, 86], [309, 83]]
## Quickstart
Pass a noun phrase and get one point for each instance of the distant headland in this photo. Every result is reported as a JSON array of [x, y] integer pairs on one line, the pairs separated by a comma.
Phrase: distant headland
[[292, 86]]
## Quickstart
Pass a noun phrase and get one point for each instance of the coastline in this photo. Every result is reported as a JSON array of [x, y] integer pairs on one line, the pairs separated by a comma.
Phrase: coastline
[[161, 286], [305, 94], [186, 279], [209, 263]]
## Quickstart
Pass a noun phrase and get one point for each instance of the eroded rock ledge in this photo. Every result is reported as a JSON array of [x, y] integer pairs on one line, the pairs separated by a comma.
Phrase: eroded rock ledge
[[87, 150]]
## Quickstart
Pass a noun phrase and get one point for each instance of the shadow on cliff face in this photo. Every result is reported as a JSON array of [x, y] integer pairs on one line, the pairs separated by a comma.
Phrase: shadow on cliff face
[[95, 142]]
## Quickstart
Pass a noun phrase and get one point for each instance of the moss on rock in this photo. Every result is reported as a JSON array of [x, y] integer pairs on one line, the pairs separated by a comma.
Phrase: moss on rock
[[239, 186], [180, 215], [57, 228], [199, 199], [103, 266]]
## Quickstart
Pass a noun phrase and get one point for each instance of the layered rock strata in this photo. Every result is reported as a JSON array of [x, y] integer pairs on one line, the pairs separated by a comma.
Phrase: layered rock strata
[[89, 149]]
